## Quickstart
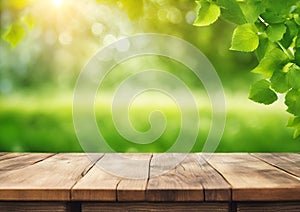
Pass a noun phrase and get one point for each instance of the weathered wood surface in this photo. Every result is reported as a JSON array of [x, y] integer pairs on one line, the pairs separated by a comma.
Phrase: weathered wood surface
[[41, 176], [102, 185], [18, 161], [34, 206], [150, 178], [268, 207], [191, 180], [287, 162], [179, 183], [254, 180], [157, 207]]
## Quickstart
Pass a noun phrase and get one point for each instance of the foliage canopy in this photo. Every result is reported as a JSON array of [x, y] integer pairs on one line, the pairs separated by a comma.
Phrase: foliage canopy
[[271, 29]]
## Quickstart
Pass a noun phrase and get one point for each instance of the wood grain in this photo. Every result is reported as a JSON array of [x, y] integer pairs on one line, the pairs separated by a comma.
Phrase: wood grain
[[287, 162], [135, 189], [142, 178], [154, 207], [33, 206], [50, 179], [113, 178], [216, 188], [17, 161], [269, 207], [254, 180], [3, 153], [5, 156], [180, 183]]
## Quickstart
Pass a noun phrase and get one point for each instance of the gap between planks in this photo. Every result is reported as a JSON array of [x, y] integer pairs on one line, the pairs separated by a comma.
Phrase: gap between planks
[[16, 161], [205, 158], [248, 162], [85, 171], [102, 182], [149, 169], [255, 180], [120, 196], [283, 164], [50, 179], [193, 179]]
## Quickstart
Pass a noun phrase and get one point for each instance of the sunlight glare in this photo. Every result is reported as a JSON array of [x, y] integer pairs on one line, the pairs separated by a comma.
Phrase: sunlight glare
[[57, 2]]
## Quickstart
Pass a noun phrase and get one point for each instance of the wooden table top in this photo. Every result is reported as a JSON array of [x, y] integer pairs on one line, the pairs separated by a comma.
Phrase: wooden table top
[[222, 177]]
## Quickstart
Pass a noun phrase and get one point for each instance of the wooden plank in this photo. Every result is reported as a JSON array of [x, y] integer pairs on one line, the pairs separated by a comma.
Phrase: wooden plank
[[135, 189], [3, 153], [253, 180], [216, 188], [50, 179], [288, 162], [33, 206], [112, 179], [174, 206], [180, 183], [214, 185], [6, 156], [269, 207], [18, 161]]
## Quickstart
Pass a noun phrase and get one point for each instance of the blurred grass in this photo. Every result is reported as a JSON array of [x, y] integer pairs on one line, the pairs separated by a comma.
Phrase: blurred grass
[[38, 124]]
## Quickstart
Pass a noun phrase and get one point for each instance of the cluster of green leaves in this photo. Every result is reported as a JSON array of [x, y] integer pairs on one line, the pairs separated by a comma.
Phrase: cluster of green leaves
[[271, 29]]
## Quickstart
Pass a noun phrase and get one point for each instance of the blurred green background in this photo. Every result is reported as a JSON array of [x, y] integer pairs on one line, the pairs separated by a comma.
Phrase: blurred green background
[[37, 77]]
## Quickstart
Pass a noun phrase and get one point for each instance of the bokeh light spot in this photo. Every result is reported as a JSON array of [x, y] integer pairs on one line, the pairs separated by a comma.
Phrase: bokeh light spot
[[97, 28], [108, 39], [190, 17], [65, 38], [57, 3]]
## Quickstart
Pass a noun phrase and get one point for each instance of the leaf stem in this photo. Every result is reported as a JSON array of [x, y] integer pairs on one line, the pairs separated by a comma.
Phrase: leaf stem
[[290, 56], [263, 21]]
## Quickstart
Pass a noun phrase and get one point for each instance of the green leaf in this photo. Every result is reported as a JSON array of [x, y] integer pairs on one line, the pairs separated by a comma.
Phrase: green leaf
[[297, 56], [292, 28], [291, 121], [272, 17], [261, 27], [293, 77], [297, 44], [275, 32], [279, 81], [280, 7], [208, 13], [261, 93], [14, 34], [295, 123], [245, 38], [292, 100], [265, 46], [291, 32], [296, 131], [252, 9], [277, 10], [231, 11], [273, 61], [297, 18]]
